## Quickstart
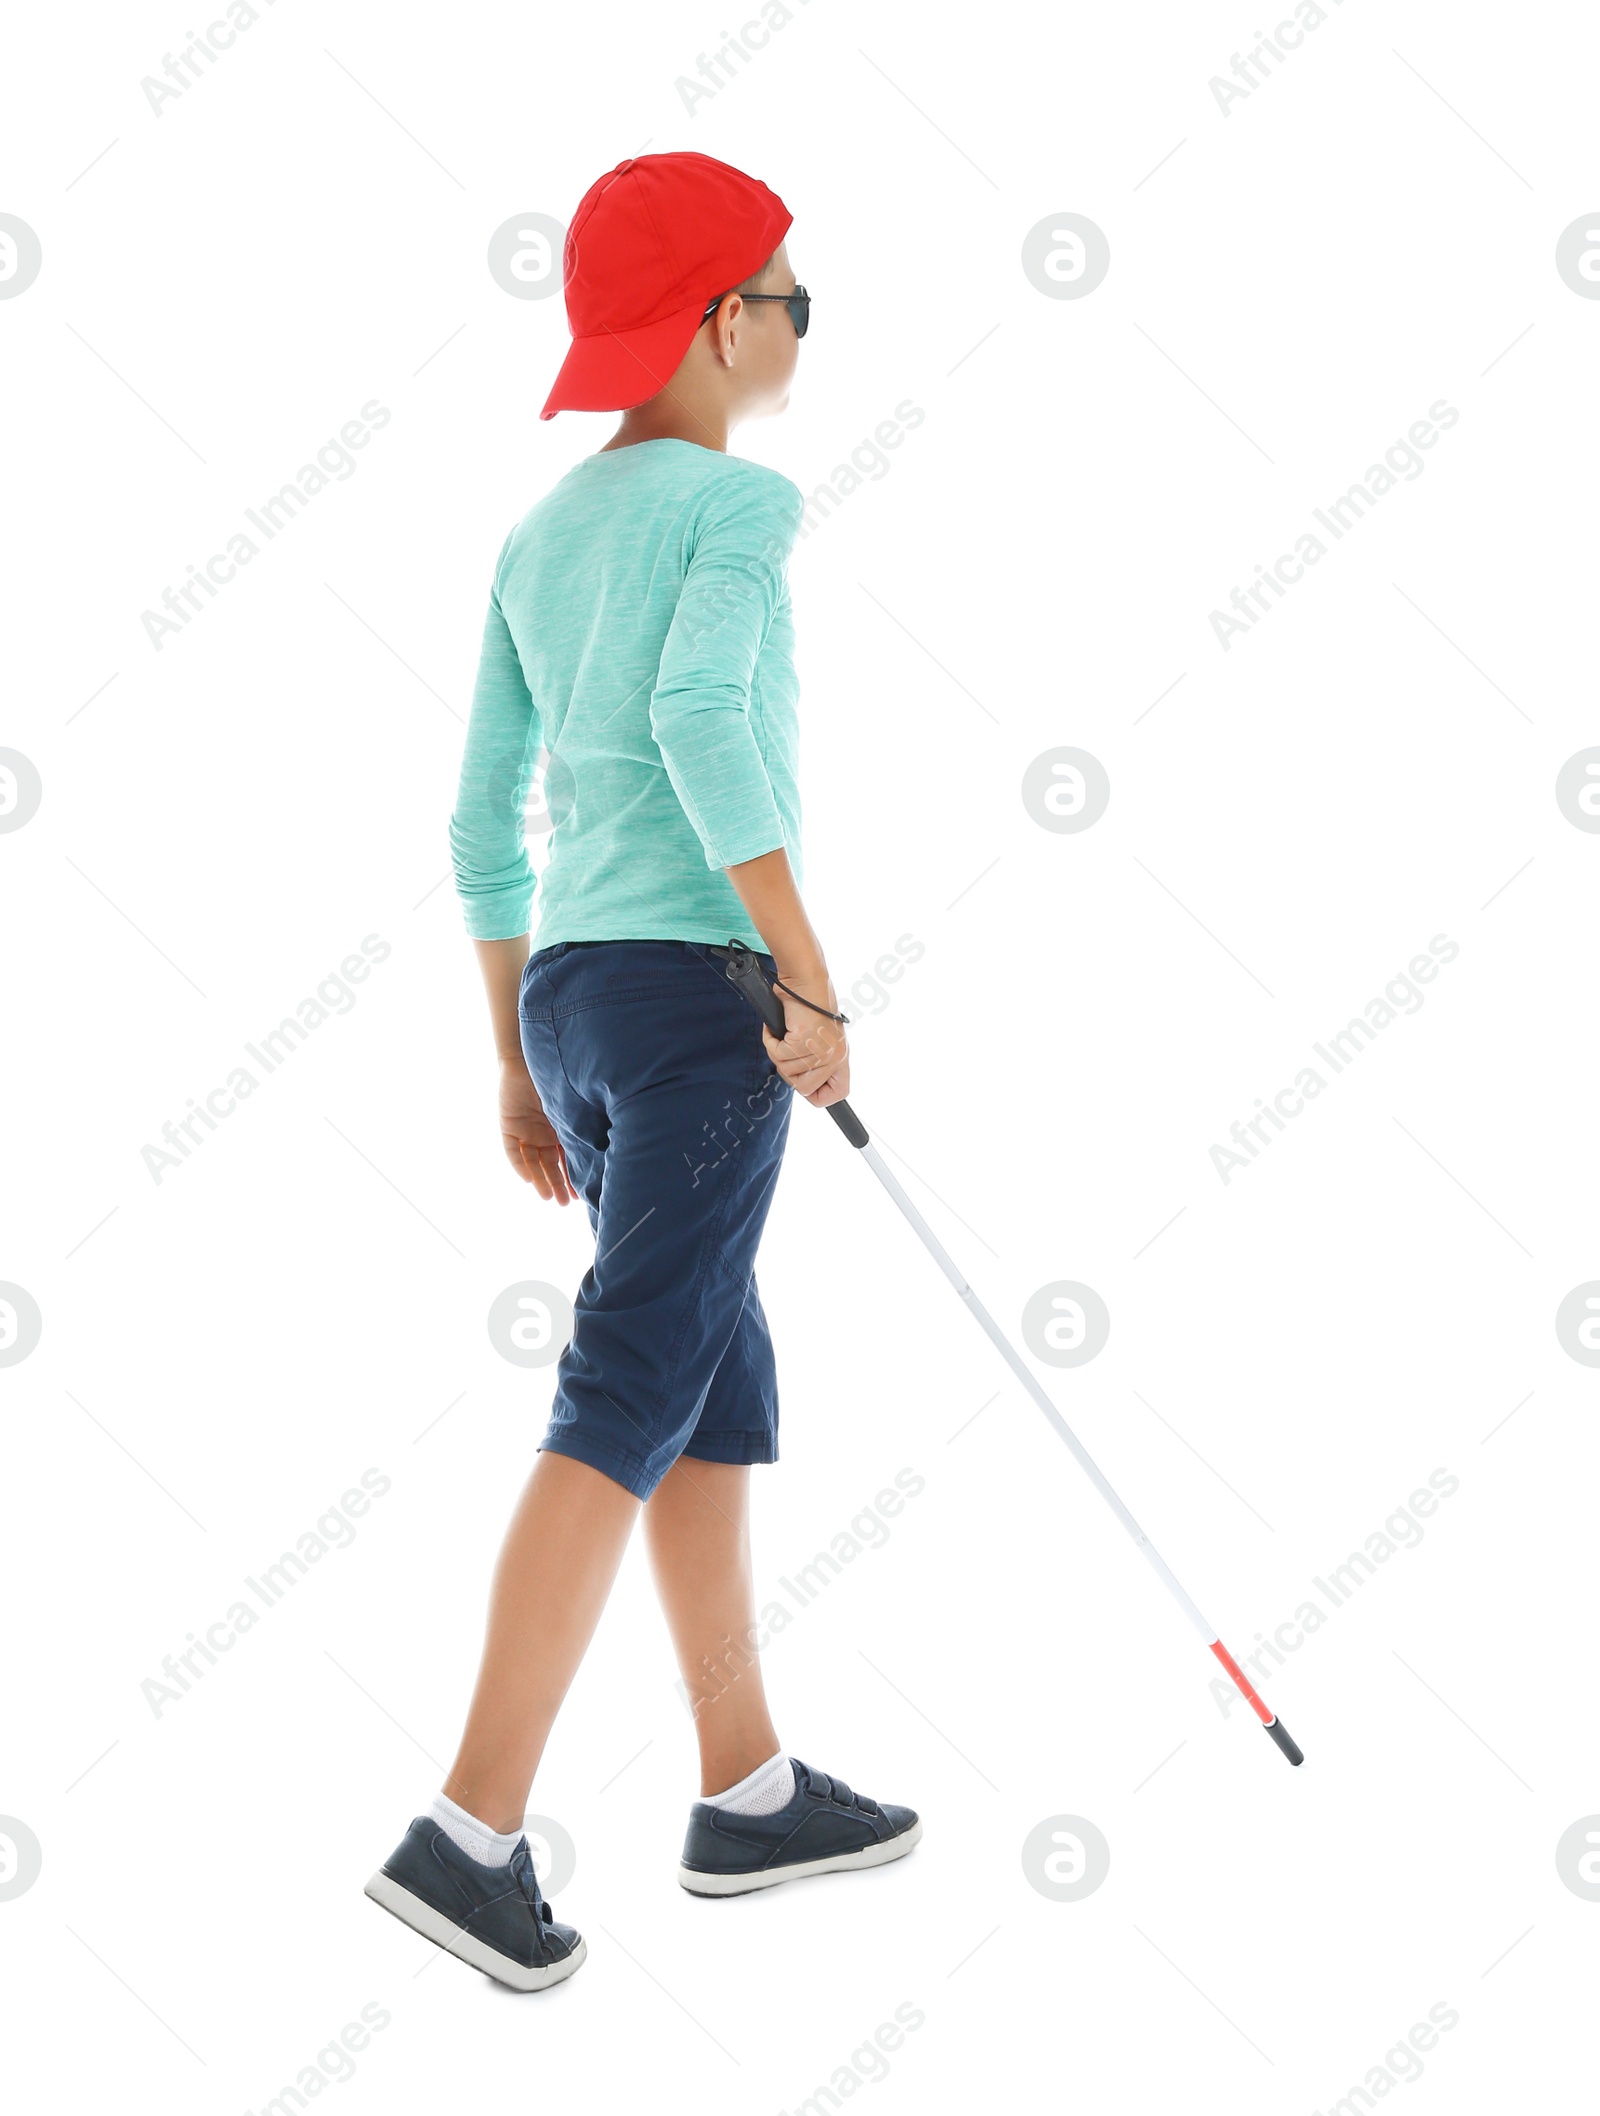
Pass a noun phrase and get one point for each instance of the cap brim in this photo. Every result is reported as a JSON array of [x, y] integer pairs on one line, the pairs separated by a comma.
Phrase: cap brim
[[616, 370]]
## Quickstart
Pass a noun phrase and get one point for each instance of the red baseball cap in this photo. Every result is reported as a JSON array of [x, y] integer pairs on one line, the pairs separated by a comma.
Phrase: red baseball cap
[[652, 244]]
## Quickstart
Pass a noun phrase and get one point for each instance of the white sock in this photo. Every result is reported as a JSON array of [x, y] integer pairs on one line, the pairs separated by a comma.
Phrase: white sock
[[762, 1793], [489, 1847]]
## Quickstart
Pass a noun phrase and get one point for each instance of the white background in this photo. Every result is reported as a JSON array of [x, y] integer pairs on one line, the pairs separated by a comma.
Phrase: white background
[[1370, 1300]]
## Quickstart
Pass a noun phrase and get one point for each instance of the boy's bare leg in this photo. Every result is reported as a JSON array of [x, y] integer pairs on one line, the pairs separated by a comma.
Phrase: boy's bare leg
[[556, 1568], [697, 1530]]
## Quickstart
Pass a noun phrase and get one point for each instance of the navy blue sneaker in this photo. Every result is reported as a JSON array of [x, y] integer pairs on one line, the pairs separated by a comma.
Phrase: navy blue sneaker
[[491, 1916], [825, 1829]]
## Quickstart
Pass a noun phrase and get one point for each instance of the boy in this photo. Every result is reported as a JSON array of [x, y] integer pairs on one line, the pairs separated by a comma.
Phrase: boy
[[640, 629]]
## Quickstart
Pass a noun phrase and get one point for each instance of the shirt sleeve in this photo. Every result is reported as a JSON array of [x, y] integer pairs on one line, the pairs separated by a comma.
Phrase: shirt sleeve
[[493, 875], [700, 709]]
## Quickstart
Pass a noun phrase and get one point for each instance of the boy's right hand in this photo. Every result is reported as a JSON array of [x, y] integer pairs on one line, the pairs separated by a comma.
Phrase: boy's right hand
[[813, 1056]]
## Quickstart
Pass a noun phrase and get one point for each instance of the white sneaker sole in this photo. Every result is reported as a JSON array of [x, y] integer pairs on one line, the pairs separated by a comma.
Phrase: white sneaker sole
[[423, 1918], [702, 1884]]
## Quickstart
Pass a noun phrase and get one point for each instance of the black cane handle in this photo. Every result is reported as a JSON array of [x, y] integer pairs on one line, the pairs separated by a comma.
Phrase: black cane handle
[[746, 975]]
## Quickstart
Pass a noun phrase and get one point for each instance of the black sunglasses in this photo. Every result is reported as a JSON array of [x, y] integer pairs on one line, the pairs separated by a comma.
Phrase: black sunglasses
[[798, 304]]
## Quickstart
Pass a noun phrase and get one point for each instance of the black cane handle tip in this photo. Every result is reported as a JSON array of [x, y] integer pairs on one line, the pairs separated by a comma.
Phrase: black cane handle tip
[[848, 1122], [1285, 1740], [747, 977]]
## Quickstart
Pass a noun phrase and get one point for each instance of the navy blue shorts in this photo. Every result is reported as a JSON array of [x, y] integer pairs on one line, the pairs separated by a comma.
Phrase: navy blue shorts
[[673, 1120]]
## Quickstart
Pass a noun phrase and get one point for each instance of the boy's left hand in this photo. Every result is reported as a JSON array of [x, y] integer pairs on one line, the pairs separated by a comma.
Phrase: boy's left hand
[[529, 1137]]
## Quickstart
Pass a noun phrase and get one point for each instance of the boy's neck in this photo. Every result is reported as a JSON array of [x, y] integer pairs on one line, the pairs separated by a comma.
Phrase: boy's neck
[[665, 418]]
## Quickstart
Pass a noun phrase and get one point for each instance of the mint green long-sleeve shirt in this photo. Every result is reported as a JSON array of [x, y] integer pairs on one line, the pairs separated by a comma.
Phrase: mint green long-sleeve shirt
[[639, 632]]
